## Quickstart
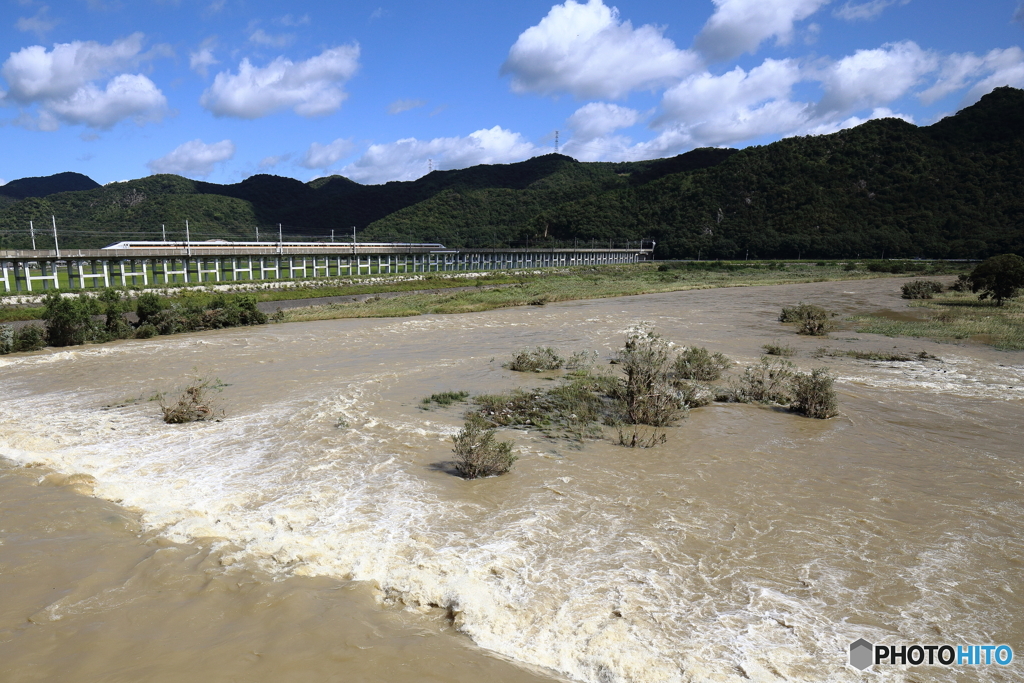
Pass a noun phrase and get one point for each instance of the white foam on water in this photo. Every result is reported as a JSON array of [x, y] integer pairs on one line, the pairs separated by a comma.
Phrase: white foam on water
[[557, 578]]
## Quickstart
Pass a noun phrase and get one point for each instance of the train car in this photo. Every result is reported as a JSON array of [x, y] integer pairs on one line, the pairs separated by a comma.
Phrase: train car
[[225, 244]]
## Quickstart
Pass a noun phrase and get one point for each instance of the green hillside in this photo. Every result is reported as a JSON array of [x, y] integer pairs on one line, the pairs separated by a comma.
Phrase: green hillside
[[885, 188]]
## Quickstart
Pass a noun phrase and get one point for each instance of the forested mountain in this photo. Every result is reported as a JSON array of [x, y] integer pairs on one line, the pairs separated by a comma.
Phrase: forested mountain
[[884, 188]]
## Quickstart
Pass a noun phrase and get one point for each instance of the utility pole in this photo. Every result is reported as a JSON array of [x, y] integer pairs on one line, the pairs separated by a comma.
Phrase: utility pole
[[32, 231], [188, 242], [56, 248], [280, 240], [257, 233], [353, 240], [163, 232], [556, 142], [332, 236]]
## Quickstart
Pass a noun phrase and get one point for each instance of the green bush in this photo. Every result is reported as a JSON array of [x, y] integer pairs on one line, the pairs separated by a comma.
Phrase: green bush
[[921, 289], [810, 319], [537, 360], [194, 403], [147, 306], [29, 338], [478, 453], [6, 339], [446, 398], [146, 331], [115, 306], [766, 382], [962, 284], [697, 363], [814, 394], [69, 319], [695, 394]]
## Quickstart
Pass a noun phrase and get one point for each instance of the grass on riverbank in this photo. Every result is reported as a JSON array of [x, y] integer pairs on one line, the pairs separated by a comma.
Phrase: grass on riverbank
[[957, 315], [573, 284]]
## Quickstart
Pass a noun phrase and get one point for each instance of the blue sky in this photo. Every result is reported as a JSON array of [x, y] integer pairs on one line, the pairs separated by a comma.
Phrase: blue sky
[[222, 89]]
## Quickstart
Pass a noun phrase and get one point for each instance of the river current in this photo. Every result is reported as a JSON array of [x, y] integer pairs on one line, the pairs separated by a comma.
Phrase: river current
[[316, 531]]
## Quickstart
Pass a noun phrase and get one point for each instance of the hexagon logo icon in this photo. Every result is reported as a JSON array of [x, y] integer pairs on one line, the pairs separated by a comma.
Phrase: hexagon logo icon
[[861, 654]]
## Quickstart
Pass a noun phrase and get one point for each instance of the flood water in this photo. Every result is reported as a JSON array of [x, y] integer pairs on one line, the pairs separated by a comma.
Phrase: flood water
[[315, 533]]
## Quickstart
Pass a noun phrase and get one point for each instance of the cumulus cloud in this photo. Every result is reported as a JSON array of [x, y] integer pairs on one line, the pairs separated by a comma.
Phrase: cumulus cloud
[[872, 78], [63, 83], [981, 74], [310, 88], [267, 163], [587, 51], [736, 106], [852, 11], [739, 26], [599, 119], [39, 24], [398, 106], [194, 158], [407, 159], [323, 156]]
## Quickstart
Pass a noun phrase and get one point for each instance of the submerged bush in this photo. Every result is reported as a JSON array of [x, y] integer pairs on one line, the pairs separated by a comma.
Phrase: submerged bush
[[29, 338], [810, 319], [777, 349], [646, 397], [6, 339], [814, 394], [445, 398], [921, 289], [766, 382], [697, 363], [69, 319], [477, 451], [194, 404], [695, 394], [537, 360]]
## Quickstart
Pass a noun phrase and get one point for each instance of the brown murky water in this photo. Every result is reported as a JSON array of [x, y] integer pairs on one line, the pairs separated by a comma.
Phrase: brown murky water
[[315, 534]]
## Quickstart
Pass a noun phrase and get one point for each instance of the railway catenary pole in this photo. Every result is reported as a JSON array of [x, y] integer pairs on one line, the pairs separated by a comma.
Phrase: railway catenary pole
[[56, 247]]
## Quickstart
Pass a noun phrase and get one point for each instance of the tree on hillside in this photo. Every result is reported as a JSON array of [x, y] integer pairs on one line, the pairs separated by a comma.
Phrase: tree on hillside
[[999, 277]]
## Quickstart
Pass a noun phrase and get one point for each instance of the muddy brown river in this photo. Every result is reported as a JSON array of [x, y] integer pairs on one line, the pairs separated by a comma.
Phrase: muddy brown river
[[316, 534]]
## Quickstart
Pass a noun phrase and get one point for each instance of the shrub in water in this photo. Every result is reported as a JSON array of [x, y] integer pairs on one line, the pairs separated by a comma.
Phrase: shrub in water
[[115, 307], [814, 395], [645, 395], [6, 339], [921, 289], [538, 360], [68, 319], [194, 404], [695, 394], [697, 363], [146, 331], [147, 306], [766, 382], [478, 453], [29, 338], [810, 319], [777, 349], [446, 398]]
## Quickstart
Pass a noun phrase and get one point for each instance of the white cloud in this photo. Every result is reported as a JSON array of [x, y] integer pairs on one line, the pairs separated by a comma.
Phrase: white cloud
[[407, 159], [267, 163], [736, 106], [599, 119], [398, 106], [323, 156], [39, 24], [865, 10], [289, 20], [261, 37], [2, 182], [828, 127], [202, 59], [125, 96], [739, 26], [1018, 16], [587, 51], [997, 68], [872, 78], [194, 158], [63, 83], [310, 88]]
